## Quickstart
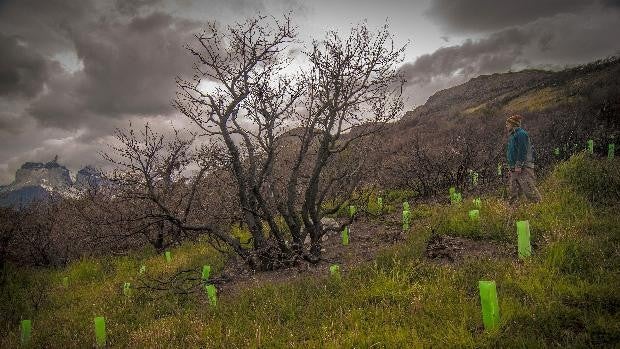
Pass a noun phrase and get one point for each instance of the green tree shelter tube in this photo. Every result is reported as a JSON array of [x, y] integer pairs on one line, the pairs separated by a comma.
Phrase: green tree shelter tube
[[590, 146], [100, 335], [142, 269], [477, 202], [380, 203], [168, 256], [489, 304], [334, 271], [406, 206], [345, 236], [556, 152], [611, 149], [406, 219], [212, 294], [206, 272], [499, 169], [26, 331], [523, 232], [474, 215], [352, 210]]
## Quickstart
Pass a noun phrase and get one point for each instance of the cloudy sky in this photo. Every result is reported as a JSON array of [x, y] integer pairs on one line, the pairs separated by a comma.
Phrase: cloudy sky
[[73, 70]]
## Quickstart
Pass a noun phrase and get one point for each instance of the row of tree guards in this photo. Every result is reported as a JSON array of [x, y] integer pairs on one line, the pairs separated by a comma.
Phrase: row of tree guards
[[611, 149], [488, 291]]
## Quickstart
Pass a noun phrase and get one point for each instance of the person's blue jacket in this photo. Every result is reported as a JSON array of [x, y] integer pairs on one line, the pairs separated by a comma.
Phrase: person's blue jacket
[[520, 152]]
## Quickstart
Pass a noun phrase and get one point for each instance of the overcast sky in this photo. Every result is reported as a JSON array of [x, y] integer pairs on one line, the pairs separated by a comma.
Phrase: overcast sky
[[73, 70]]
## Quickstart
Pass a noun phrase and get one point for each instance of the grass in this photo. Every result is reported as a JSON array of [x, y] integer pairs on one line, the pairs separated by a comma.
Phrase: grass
[[539, 99], [565, 295]]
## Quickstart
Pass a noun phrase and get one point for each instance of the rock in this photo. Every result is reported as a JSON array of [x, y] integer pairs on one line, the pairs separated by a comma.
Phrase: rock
[[88, 177], [37, 181]]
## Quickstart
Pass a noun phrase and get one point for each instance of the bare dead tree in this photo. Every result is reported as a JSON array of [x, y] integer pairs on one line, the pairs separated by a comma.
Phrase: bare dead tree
[[428, 168], [280, 130], [155, 191], [9, 229]]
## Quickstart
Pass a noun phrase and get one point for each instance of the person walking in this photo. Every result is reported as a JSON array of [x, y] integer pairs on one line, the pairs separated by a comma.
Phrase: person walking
[[520, 156]]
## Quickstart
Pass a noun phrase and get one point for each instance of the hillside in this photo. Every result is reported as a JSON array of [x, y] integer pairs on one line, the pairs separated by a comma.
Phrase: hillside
[[462, 128], [420, 291]]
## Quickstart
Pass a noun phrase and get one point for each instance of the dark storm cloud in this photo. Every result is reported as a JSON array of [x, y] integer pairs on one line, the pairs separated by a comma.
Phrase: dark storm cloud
[[128, 68], [611, 3], [45, 24], [23, 71], [485, 15], [495, 53], [557, 41], [133, 7]]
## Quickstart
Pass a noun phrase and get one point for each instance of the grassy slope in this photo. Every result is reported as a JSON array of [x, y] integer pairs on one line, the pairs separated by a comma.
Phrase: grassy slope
[[566, 295]]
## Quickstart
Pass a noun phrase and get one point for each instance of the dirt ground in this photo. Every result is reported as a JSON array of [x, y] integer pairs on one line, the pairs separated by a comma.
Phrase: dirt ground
[[367, 238]]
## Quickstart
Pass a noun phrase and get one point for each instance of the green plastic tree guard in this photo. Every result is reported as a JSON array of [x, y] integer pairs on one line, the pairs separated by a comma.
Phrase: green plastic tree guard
[[127, 289], [406, 219], [453, 198], [100, 335], [26, 331], [489, 303], [474, 178], [477, 202], [168, 256], [406, 206], [611, 148], [458, 197], [523, 231], [212, 294], [352, 210], [474, 215], [142, 269], [590, 146], [380, 203], [65, 282], [345, 236], [556, 152], [499, 169], [206, 271], [334, 271]]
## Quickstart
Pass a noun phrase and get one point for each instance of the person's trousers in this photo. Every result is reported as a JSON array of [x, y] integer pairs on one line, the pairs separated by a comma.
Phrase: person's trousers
[[523, 182]]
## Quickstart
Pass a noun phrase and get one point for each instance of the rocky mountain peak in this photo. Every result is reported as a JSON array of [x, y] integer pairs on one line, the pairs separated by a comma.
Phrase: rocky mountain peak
[[40, 180]]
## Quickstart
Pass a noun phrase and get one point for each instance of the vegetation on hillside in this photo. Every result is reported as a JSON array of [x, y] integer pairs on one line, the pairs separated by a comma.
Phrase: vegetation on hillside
[[565, 295]]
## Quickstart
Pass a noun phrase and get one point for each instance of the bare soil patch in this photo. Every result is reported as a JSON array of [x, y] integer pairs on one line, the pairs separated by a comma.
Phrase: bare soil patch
[[446, 249], [367, 238]]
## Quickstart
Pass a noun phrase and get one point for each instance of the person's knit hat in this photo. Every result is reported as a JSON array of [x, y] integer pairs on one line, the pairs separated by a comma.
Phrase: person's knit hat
[[515, 120]]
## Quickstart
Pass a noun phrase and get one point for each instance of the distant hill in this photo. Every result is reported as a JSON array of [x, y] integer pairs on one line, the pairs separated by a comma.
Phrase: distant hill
[[561, 110], [545, 98]]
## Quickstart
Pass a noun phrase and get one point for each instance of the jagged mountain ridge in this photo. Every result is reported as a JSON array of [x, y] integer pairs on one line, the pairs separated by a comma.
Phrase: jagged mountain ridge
[[40, 181]]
